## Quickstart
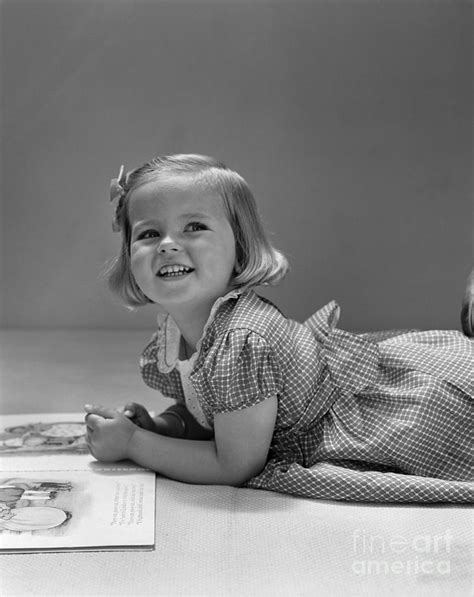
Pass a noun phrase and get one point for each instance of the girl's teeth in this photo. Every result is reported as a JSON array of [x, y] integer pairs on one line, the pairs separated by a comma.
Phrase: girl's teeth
[[174, 270]]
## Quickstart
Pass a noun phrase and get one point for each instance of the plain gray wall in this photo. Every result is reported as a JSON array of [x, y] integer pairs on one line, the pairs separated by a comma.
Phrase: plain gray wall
[[351, 121]]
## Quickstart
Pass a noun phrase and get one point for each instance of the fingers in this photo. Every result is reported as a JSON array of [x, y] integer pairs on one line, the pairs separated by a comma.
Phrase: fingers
[[94, 418], [138, 414], [107, 437], [93, 421], [89, 441], [102, 411], [131, 409]]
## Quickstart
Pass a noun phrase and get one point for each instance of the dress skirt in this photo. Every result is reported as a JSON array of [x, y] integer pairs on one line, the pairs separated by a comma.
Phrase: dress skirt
[[399, 428]]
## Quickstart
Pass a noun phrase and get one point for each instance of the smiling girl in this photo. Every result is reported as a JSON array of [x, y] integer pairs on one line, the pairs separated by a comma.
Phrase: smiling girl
[[261, 400]]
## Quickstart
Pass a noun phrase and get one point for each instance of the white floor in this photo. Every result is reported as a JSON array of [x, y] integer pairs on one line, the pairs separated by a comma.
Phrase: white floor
[[221, 540]]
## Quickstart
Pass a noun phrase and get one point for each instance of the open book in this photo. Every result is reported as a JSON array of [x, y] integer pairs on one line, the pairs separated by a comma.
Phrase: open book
[[54, 496]]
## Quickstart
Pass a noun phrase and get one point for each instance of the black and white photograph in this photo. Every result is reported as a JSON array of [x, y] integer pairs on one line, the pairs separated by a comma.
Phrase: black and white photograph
[[236, 298]]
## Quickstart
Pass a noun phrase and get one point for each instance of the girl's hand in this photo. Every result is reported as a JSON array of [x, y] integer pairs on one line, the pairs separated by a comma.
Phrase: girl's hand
[[108, 433], [139, 415]]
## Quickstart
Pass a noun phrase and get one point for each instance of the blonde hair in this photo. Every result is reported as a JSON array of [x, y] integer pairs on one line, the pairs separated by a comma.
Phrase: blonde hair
[[258, 263]]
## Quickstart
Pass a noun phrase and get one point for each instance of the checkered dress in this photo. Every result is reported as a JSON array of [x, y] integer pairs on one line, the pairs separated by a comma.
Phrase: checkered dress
[[386, 421]]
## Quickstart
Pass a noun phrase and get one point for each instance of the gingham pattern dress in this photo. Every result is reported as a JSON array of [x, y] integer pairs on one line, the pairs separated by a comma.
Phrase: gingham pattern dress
[[386, 421]]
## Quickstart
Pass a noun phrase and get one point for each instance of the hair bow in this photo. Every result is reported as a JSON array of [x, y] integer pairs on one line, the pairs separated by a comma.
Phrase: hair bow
[[117, 191]]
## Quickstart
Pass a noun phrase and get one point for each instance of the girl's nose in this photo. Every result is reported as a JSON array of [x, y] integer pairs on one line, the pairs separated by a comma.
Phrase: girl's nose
[[168, 244]]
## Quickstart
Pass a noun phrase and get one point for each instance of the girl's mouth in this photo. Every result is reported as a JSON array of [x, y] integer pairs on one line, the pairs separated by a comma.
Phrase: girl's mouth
[[174, 271]]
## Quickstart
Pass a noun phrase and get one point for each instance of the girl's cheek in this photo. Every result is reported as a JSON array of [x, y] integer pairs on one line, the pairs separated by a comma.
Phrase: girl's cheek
[[135, 261], [136, 254]]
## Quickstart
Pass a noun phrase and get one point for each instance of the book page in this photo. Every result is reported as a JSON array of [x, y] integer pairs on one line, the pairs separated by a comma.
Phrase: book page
[[65, 499], [63, 510], [43, 433]]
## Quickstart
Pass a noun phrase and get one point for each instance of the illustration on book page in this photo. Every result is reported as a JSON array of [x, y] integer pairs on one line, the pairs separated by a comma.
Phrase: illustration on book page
[[39, 437]]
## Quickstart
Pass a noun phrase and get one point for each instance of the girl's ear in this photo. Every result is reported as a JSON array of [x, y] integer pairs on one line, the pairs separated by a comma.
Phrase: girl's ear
[[239, 259], [238, 268]]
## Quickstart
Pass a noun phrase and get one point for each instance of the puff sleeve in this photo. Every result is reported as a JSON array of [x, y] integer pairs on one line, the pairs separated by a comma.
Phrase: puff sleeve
[[239, 371]]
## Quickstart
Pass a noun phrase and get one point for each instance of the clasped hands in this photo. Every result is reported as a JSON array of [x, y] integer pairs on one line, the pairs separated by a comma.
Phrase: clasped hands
[[109, 431]]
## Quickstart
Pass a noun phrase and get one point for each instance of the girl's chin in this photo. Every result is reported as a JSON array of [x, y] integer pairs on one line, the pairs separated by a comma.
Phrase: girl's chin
[[172, 295]]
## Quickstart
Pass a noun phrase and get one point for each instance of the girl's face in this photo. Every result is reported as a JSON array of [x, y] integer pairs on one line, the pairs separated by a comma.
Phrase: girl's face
[[182, 245]]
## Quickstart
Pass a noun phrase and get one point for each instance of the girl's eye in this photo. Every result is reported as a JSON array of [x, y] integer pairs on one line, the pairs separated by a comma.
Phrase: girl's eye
[[196, 227], [147, 234]]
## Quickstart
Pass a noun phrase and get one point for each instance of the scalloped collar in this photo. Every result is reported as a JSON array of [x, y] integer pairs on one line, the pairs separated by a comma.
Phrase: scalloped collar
[[168, 335]]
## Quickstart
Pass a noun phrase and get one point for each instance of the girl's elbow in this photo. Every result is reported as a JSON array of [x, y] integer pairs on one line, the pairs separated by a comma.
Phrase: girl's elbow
[[239, 476]]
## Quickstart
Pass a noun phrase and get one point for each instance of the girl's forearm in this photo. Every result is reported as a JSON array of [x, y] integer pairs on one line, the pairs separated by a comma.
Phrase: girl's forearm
[[190, 461], [167, 425], [193, 429], [177, 421]]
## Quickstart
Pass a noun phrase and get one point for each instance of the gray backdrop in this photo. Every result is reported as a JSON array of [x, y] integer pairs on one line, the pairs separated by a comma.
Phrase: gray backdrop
[[351, 121]]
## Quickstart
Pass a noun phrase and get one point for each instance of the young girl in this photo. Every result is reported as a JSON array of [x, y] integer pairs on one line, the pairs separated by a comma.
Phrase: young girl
[[261, 400]]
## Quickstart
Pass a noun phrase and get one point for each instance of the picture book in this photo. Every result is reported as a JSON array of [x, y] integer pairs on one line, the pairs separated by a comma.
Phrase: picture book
[[54, 496]]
